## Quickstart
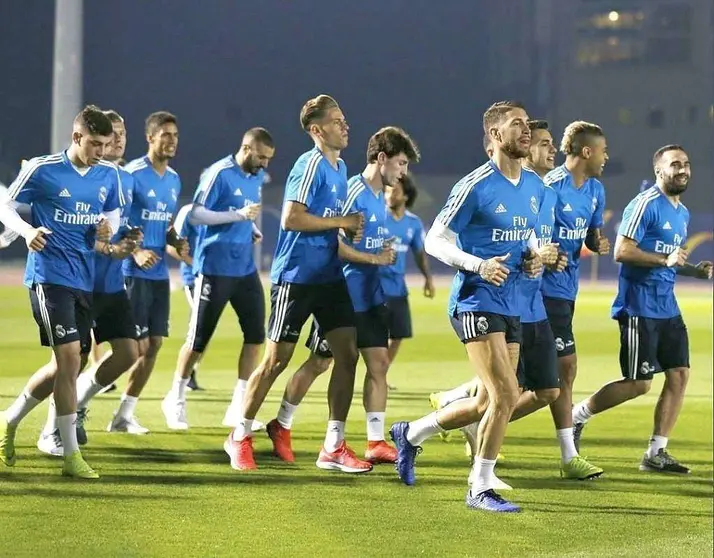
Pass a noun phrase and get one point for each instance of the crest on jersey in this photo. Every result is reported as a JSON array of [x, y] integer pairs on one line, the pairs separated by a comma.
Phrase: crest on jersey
[[534, 205], [102, 194], [594, 204]]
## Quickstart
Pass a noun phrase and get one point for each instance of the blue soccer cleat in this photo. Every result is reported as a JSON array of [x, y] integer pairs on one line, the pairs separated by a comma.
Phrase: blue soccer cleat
[[406, 452], [490, 501]]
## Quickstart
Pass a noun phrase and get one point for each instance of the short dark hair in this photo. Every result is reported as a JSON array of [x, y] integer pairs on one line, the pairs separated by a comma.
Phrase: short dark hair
[[538, 125], [392, 141], [157, 119], [577, 135], [409, 188], [486, 142], [662, 150], [114, 116], [260, 135], [495, 113], [316, 109], [92, 119]]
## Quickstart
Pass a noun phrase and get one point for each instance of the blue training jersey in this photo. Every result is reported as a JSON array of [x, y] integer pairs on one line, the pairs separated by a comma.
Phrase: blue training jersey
[[68, 201], [407, 234], [227, 249], [108, 276], [311, 257], [577, 210], [491, 217], [656, 225], [152, 208], [191, 233], [530, 296], [363, 281]]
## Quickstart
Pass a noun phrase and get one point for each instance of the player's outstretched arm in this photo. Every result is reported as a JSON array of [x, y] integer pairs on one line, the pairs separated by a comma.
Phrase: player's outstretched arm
[[201, 215], [627, 251], [296, 218]]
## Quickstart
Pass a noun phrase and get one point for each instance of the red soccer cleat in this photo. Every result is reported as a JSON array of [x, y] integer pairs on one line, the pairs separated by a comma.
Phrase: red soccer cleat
[[241, 453], [380, 452], [280, 436], [342, 459]]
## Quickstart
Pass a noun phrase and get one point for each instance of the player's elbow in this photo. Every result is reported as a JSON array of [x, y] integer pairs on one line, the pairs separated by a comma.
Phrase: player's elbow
[[290, 219], [431, 244], [622, 251]]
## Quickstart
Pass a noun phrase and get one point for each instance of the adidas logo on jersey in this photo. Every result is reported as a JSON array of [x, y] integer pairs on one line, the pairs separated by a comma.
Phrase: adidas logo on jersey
[[238, 192], [667, 226], [373, 218], [501, 208], [334, 189], [65, 193], [151, 194], [567, 207]]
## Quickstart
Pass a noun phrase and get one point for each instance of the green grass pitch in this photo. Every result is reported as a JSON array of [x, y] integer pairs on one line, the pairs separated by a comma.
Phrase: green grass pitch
[[175, 493]]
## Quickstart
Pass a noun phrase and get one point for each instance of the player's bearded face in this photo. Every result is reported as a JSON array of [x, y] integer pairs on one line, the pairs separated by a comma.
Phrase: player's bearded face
[[164, 142], [515, 135], [675, 171], [257, 157]]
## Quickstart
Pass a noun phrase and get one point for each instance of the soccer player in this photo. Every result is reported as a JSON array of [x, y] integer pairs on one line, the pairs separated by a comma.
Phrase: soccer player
[[307, 279], [651, 247], [226, 202], [70, 194], [578, 221], [185, 229], [111, 312], [156, 190], [389, 153], [491, 212]]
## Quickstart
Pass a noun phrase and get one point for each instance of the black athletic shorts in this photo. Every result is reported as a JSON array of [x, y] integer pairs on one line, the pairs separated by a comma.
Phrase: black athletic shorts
[[650, 345], [150, 304], [538, 363], [63, 315], [473, 325], [291, 304], [372, 331], [560, 315], [113, 318], [399, 316], [211, 293]]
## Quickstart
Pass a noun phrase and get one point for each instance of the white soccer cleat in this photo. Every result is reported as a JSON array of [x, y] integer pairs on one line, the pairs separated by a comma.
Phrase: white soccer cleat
[[51, 444], [233, 416], [128, 426], [174, 413]]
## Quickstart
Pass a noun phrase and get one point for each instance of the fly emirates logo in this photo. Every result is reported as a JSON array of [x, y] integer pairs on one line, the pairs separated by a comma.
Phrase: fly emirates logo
[[518, 232], [664, 248], [578, 233], [161, 213], [335, 211], [375, 242], [80, 216]]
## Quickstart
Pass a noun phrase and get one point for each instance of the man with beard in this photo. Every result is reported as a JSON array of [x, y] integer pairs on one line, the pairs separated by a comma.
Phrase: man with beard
[[653, 336], [225, 205], [156, 190], [484, 231], [578, 220]]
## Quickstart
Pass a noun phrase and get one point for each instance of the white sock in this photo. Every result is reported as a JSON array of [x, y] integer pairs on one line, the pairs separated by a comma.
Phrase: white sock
[[51, 421], [582, 413], [87, 388], [286, 414], [483, 475], [335, 435], [178, 389], [68, 433], [461, 392], [567, 444], [20, 408], [239, 394], [656, 443], [422, 429], [244, 429], [375, 427], [127, 406]]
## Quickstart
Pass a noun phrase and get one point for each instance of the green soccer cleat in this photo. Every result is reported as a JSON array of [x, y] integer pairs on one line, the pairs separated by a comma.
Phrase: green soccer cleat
[[7, 442], [76, 467], [578, 468], [434, 402]]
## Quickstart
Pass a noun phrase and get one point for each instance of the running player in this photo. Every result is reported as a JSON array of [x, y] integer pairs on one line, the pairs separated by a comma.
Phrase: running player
[[156, 190], [185, 229], [68, 193], [578, 221], [389, 153], [493, 212], [307, 279], [111, 312], [653, 337], [226, 202]]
